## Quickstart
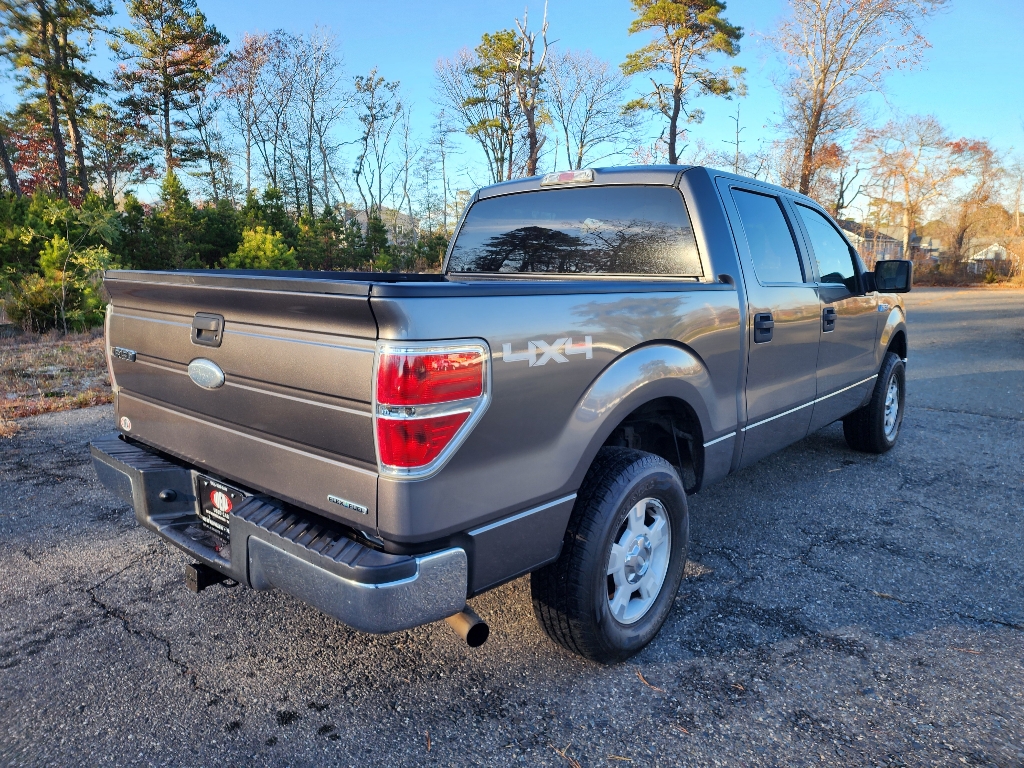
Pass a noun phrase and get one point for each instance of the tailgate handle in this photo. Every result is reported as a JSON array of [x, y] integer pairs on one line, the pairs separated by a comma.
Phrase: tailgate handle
[[207, 329]]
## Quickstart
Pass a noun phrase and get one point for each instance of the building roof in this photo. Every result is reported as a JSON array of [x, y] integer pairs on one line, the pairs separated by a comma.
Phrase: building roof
[[867, 233], [991, 252]]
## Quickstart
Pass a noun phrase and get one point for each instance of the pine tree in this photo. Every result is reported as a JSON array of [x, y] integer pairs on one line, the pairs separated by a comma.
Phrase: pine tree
[[41, 43], [28, 46], [170, 54], [5, 158], [174, 226], [687, 33]]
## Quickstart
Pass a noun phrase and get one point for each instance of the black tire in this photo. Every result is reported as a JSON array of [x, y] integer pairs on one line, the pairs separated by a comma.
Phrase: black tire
[[571, 596], [865, 429]]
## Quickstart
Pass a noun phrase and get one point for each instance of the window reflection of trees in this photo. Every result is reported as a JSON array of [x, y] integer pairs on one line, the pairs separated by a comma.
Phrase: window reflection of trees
[[637, 246]]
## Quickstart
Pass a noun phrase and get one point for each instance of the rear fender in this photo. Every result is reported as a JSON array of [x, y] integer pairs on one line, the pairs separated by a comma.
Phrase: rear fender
[[637, 377]]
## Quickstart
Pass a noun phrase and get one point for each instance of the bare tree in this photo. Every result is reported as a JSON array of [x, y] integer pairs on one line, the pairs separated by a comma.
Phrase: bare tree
[[380, 111], [409, 150], [1015, 185], [528, 69], [749, 164], [319, 101], [478, 87], [246, 89], [913, 157], [119, 152], [845, 178], [1013, 236], [835, 51], [585, 98], [270, 131], [976, 205], [201, 118]]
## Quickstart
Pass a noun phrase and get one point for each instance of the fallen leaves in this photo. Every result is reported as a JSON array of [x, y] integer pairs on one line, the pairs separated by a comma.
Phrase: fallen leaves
[[43, 374]]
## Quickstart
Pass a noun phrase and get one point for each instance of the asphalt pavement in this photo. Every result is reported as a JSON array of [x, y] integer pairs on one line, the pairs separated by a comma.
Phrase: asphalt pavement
[[839, 609]]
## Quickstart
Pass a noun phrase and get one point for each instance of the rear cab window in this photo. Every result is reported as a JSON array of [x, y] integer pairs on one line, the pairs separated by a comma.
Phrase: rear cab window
[[612, 230], [769, 238]]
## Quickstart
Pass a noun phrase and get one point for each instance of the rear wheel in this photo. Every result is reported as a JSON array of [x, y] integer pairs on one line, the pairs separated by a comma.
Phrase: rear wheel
[[875, 427], [613, 586]]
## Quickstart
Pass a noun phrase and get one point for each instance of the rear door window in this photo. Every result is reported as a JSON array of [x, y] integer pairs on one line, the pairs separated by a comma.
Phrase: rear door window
[[620, 230], [769, 238], [832, 254]]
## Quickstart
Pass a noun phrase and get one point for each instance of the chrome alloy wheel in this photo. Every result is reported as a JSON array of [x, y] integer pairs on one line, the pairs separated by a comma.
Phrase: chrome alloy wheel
[[638, 561], [892, 408]]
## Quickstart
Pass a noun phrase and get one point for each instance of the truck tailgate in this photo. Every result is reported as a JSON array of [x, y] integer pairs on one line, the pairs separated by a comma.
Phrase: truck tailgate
[[293, 417]]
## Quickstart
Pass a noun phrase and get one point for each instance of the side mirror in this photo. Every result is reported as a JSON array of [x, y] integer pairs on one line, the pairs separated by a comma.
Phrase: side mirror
[[893, 276]]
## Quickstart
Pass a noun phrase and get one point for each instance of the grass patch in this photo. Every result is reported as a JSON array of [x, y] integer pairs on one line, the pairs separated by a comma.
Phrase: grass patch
[[43, 374]]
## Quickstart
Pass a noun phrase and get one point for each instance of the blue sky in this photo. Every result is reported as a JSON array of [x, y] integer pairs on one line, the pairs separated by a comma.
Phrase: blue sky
[[970, 78]]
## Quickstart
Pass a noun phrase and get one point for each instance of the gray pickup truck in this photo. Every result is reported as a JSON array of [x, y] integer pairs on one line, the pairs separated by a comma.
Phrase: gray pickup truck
[[600, 345]]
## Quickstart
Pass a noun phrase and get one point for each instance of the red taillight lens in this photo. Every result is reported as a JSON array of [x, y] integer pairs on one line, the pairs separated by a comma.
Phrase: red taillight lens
[[427, 398], [416, 442], [412, 378]]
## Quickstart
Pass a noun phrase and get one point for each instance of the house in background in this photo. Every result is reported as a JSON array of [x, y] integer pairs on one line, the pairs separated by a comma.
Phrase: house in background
[[991, 258], [872, 245]]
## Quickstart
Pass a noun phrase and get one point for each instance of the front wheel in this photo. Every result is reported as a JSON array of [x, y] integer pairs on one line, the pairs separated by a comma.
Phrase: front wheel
[[875, 427], [623, 556]]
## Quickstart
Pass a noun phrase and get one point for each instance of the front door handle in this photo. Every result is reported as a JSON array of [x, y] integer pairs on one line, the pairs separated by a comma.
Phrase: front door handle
[[828, 319], [763, 325]]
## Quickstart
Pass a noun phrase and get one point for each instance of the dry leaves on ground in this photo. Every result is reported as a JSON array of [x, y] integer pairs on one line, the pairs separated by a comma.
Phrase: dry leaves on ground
[[42, 374]]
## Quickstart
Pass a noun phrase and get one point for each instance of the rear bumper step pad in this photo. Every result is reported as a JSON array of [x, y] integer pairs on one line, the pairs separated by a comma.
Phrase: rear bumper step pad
[[295, 551]]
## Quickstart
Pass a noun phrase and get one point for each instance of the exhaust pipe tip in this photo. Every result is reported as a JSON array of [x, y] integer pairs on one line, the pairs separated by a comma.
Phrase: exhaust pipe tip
[[470, 627]]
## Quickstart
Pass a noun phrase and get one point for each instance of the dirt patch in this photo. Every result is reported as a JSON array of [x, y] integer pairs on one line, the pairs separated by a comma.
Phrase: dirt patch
[[42, 374]]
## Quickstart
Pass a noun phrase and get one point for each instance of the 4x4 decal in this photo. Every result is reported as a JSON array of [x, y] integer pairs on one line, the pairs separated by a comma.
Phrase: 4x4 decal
[[557, 351]]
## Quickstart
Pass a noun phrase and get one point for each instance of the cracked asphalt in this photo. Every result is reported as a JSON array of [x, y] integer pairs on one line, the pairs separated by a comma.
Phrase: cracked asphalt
[[839, 608]]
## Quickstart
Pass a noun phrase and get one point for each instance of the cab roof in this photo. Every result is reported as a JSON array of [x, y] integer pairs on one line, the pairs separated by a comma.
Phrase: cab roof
[[665, 175]]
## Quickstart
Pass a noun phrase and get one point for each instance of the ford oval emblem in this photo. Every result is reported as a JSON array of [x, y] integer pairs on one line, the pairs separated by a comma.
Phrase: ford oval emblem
[[206, 373]]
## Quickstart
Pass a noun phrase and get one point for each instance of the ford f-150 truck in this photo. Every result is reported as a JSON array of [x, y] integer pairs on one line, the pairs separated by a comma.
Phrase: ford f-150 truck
[[599, 345]]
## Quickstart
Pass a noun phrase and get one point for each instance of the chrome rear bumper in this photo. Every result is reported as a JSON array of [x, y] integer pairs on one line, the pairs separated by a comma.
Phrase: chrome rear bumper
[[274, 546]]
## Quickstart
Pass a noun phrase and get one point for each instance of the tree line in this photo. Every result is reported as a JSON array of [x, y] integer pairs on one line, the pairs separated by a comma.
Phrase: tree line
[[269, 153]]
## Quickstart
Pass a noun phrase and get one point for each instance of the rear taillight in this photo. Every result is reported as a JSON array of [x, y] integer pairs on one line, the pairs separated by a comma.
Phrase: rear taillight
[[427, 398], [405, 378]]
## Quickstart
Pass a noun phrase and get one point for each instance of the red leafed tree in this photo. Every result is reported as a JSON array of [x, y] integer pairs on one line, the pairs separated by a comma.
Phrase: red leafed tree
[[32, 157]]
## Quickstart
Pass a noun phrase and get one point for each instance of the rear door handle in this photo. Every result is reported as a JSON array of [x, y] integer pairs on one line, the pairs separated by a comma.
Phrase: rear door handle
[[828, 319], [207, 329], [763, 325]]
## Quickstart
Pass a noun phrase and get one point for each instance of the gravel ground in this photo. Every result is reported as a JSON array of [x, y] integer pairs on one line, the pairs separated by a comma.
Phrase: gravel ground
[[840, 609]]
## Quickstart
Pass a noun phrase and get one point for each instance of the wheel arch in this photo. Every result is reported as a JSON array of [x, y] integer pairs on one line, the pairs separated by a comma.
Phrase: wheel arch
[[894, 334], [656, 387]]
